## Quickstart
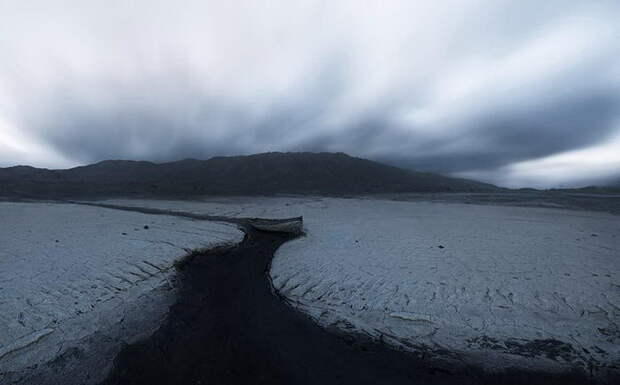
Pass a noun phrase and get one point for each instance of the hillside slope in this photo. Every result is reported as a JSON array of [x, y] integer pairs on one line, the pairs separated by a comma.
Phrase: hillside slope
[[268, 173]]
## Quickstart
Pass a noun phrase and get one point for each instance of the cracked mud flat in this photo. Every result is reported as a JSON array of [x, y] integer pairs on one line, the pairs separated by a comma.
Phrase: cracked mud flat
[[77, 283], [228, 327], [497, 287], [501, 288]]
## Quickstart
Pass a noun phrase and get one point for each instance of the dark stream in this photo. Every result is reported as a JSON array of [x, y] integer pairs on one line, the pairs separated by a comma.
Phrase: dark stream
[[228, 327]]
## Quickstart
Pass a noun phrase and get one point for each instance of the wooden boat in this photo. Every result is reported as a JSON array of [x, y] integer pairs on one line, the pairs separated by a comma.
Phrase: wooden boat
[[288, 225]]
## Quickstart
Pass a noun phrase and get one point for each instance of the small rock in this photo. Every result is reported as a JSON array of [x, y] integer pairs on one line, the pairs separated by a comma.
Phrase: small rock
[[595, 235], [441, 246], [124, 233], [146, 227], [57, 241]]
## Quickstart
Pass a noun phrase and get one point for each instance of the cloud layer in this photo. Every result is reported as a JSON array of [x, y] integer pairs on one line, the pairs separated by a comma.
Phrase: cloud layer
[[477, 88]]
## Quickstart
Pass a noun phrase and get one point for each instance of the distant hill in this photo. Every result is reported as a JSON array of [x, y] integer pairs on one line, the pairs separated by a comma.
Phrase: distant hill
[[604, 189], [260, 174]]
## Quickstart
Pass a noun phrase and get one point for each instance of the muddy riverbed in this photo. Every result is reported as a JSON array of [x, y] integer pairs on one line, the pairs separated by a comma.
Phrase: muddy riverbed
[[230, 327]]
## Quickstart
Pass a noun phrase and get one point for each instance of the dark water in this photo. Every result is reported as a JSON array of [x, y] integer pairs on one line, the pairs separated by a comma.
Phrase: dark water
[[229, 328]]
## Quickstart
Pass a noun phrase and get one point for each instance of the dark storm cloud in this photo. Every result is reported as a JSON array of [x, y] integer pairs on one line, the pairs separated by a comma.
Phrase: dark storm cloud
[[409, 83], [179, 120], [547, 127]]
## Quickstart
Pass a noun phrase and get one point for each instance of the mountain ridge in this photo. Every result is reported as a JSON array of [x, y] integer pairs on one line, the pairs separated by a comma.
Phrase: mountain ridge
[[257, 174]]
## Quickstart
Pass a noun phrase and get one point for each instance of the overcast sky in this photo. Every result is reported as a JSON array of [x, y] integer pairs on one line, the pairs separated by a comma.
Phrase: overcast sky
[[512, 92]]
